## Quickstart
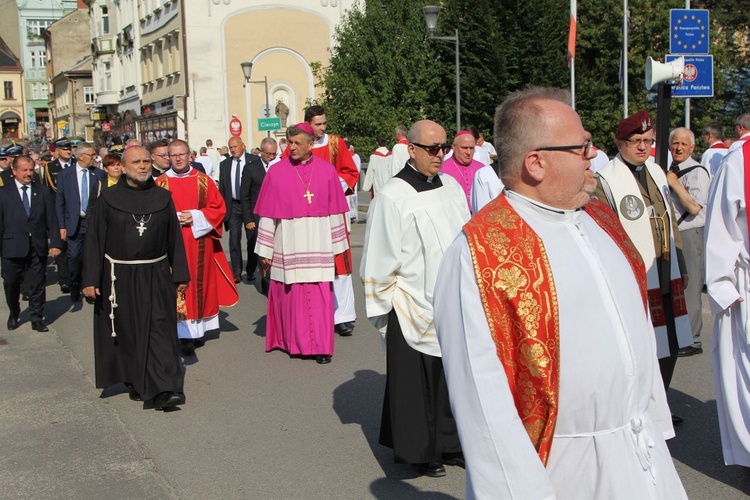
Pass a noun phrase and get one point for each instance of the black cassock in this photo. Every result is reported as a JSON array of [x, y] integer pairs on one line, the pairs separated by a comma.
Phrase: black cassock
[[145, 352]]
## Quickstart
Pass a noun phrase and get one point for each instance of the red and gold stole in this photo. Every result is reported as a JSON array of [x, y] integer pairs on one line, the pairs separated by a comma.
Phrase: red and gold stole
[[520, 302], [202, 184]]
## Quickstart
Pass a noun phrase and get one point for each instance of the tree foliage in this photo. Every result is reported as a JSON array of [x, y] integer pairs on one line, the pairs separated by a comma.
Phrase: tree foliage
[[385, 70]]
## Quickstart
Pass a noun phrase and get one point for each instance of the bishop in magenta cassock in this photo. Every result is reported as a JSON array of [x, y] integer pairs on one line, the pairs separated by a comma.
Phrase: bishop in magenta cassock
[[462, 166], [302, 228], [200, 209]]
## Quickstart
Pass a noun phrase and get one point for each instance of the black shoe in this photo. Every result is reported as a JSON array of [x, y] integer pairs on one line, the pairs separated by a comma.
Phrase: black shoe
[[75, 295], [132, 394], [431, 469], [187, 346], [12, 322], [166, 400], [25, 297], [39, 326], [322, 360], [237, 280], [198, 343], [64, 289], [343, 329], [454, 459], [351, 325], [250, 278], [677, 420], [689, 351]]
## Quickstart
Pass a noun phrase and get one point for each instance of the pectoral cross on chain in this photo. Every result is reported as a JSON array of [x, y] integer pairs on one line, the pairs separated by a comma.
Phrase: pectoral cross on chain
[[309, 196], [141, 227]]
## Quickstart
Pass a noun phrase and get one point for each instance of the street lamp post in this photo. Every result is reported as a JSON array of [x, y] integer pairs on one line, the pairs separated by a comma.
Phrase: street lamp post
[[431, 13], [247, 69]]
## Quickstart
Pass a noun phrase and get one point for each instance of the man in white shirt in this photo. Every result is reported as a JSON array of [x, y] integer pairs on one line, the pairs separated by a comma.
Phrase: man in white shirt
[[688, 181], [742, 126], [214, 155], [548, 407], [713, 135], [206, 161]]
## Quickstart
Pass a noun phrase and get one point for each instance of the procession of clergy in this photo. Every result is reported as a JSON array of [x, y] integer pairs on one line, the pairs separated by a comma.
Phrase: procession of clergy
[[531, 321]]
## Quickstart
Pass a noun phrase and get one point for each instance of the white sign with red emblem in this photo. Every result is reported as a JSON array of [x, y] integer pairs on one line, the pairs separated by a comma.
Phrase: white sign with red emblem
[[235, 126]]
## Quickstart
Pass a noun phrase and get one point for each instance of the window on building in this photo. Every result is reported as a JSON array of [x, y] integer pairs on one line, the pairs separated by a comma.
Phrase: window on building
[[34, 91], [8, 88], [43, 91], [88, 95], [36, 27], [38, 59], [105, 20], [107, 76]]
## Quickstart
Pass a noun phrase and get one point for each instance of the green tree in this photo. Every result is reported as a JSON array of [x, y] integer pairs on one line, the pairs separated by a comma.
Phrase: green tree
[[383, 73]]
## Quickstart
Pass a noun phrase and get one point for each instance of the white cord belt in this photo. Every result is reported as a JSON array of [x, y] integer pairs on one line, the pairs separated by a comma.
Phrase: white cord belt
[[641, 439], [113, 278]]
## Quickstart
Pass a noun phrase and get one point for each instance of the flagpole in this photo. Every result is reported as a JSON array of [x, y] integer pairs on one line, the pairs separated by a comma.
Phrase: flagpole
[[572, 50], [625, 16]]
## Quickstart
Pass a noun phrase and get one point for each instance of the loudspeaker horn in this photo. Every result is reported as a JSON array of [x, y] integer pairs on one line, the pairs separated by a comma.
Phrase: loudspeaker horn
[[657, 72]]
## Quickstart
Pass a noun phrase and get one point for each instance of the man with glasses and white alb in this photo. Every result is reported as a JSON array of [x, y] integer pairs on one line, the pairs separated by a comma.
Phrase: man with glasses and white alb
[[637, 190]]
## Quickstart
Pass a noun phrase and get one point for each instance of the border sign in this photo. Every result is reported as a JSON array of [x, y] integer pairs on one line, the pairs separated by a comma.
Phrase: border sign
[[688, 31], [698, 77], [269, 124]]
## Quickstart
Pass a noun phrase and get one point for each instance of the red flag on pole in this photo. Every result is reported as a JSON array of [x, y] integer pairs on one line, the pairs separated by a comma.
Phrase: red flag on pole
[[572, 32]]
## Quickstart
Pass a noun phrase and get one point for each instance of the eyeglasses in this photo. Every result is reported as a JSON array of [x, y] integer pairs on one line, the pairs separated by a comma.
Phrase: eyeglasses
[[586, 147], [178, 155], [639, 142], [434, 149], [272, 155]]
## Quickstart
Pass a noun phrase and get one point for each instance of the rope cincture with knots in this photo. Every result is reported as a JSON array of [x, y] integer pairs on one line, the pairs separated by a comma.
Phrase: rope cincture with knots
[[113, 293], [664, 235]]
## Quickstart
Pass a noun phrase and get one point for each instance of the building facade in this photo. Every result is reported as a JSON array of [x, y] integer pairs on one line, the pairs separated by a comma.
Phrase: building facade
[[12, 102], [33, 17], [71, 96], [180, 61]]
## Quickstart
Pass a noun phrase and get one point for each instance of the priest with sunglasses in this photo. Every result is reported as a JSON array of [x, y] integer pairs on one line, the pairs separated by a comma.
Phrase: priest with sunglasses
[[410, 223]]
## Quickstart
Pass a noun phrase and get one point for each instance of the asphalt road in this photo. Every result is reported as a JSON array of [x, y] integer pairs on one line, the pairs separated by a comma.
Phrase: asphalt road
[[256, 425]]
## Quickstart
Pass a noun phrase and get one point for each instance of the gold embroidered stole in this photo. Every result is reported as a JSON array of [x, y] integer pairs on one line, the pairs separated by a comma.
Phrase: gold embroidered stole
[[520, 302]]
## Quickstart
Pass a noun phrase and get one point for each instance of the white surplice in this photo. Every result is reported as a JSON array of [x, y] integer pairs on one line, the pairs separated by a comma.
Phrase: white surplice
[[485, 188], [406, 236], [613, 419], [728, 279]]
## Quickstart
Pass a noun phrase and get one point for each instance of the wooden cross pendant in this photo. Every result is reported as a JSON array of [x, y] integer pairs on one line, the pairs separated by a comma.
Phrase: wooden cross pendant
[[309, 196]]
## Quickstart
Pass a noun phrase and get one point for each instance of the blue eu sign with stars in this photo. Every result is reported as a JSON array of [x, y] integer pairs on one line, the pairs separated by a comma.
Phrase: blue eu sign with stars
[[688, 30]]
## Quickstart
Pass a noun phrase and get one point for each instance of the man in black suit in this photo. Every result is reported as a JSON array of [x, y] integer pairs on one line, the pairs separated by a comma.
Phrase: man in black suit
[[231, 172], [27, 215], [75, 187], [63, 148], [252, 178]]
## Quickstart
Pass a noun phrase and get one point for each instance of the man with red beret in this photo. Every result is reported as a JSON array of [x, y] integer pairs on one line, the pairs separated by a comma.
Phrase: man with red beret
[[637, 190]]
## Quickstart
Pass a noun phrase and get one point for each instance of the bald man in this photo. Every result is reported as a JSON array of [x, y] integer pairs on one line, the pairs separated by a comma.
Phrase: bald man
[[230, 181]]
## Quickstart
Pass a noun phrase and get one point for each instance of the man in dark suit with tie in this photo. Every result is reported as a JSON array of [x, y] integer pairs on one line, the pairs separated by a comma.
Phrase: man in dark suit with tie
[[63, 148], [252, 178], [231, 172], [27, 215], [75, 187]]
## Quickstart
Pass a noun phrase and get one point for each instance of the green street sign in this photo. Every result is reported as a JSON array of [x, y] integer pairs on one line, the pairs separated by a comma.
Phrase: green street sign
[[269, 124]]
